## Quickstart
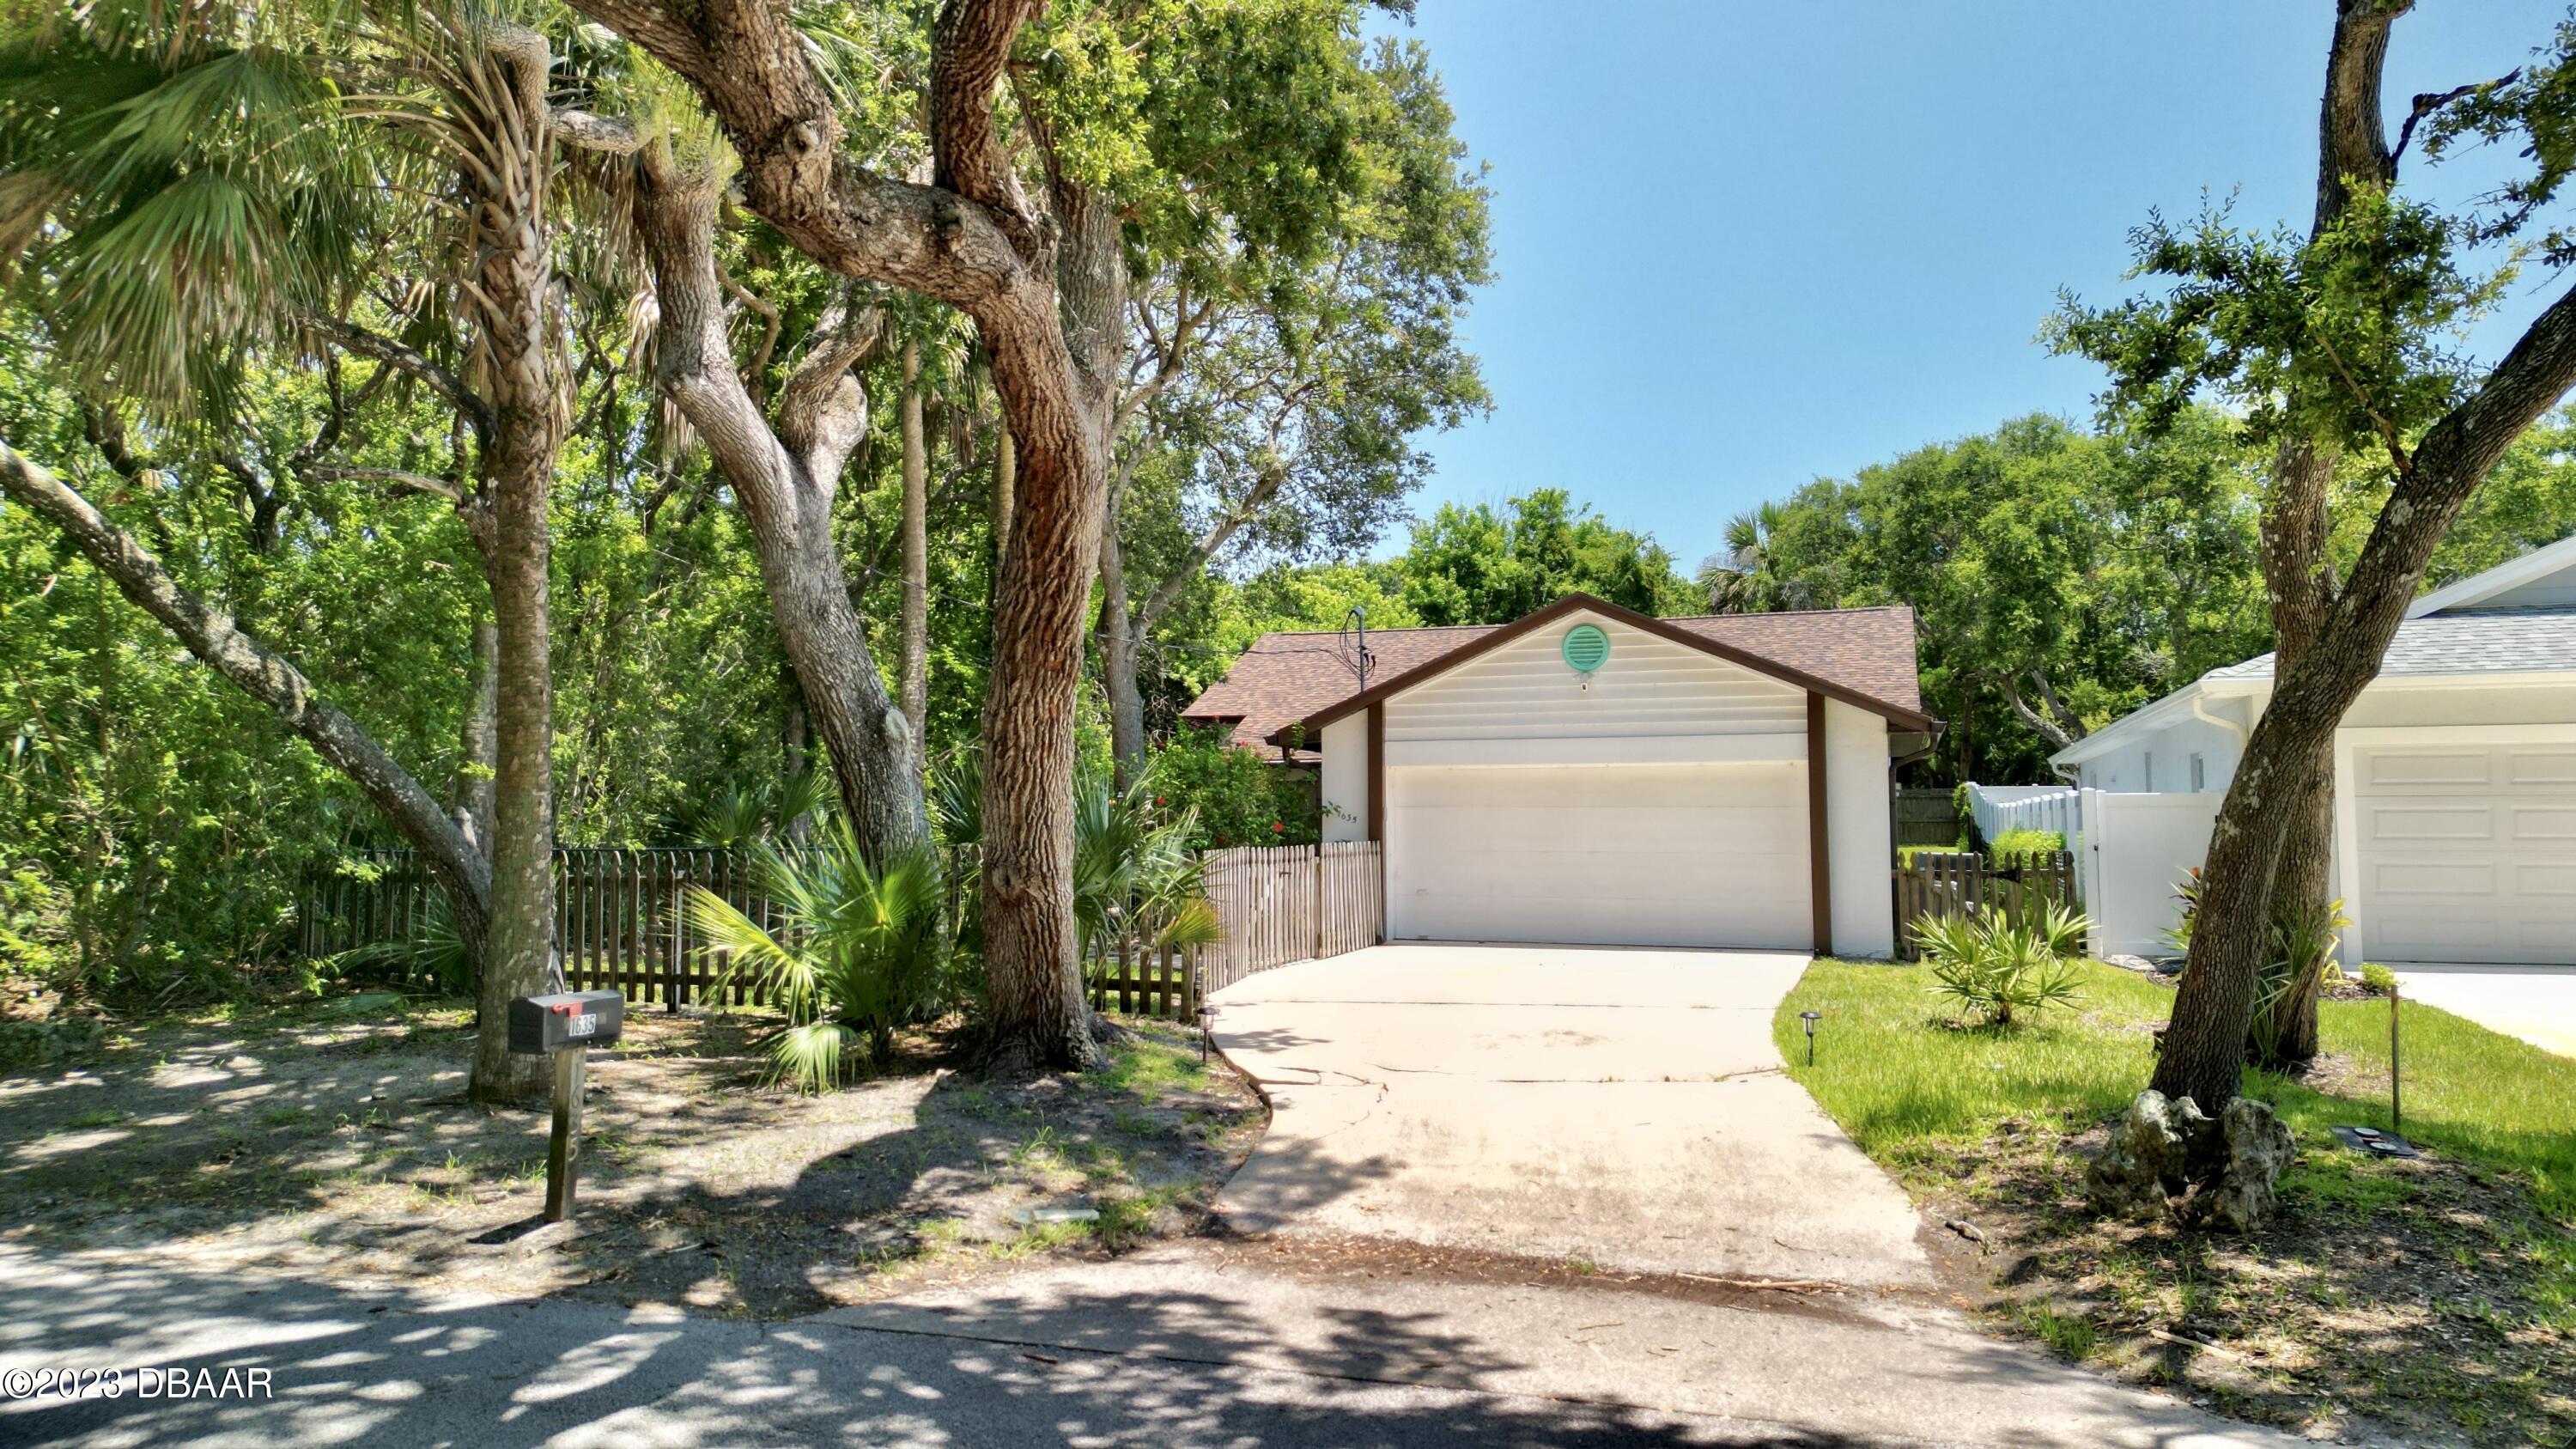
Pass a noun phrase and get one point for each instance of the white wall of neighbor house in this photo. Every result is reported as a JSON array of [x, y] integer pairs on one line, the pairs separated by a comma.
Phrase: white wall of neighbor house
[[1345, 782], [1859, 830], [2185, 756], [2555, 591], [2463, 700]]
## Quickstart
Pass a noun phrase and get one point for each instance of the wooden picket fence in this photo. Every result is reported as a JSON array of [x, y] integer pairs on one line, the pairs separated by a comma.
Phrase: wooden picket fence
[[1283, 903], [621, 918], [621, 921], [1925, 815], [1953, 883]]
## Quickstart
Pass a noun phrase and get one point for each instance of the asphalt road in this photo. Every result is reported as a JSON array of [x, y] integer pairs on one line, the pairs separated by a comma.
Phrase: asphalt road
[[1192, 1344]]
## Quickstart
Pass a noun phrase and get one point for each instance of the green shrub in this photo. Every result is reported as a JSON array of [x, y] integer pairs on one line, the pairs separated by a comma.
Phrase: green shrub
[[2378, 978], [1235, 796], [2294, 974], [2024, 849], [1992, 966], [858, 952], [2187, 895]]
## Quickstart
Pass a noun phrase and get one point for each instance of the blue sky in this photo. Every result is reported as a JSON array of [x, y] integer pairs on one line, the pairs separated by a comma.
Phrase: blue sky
[[1743, 245]]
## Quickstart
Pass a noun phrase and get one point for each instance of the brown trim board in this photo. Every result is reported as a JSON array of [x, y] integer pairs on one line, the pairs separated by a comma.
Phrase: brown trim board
[[1820, 869], [1377, 772]]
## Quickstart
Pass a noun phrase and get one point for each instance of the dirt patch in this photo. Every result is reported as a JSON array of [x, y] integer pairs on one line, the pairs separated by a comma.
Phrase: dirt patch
[[1317, 1258], [2427, 1300], [336, 1141]]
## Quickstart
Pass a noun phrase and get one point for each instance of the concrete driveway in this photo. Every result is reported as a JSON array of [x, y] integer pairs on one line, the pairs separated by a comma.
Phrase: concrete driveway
[[2535, 1003], [1619, 1108]]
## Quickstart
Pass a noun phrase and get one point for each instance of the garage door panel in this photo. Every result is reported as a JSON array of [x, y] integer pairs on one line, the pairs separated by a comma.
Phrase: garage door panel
[[1628, 832], [2535, 769], [2481, 869], [2546, 879], [2432, 822], [2449, 770], [1489, 870], [2539, 822], [1655, 855], [2443, 878], [2434, 938]]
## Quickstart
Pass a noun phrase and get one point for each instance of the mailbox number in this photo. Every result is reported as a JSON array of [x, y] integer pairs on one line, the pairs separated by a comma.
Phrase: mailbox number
[[586, 1024]]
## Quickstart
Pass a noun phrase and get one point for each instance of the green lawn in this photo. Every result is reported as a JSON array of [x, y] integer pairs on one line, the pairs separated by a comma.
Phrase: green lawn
[[2432, 1298], [1906, 1087]]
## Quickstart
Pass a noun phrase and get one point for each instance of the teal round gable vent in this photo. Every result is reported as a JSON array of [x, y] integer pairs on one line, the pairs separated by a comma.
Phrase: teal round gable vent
[[1586, 648]]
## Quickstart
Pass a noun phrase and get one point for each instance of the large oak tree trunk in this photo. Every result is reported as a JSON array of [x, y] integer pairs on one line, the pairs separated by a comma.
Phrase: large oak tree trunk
[[1031, 961], [1047, 293], [2204, 1048], [460, 870], [2297, 528], [785, 476], [2352, 151]]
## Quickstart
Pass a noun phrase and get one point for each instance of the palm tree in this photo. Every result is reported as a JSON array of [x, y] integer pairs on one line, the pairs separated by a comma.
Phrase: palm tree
[[195, 184], [1734, 580], [857, 952]]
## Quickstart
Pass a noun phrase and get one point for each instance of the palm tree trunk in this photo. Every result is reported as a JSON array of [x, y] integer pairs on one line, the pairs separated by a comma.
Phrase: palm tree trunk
[[525, 388], [1006, 475]]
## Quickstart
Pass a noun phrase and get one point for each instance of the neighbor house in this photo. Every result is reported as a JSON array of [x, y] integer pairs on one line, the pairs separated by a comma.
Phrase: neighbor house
[[2455, 771], [1588, 775]]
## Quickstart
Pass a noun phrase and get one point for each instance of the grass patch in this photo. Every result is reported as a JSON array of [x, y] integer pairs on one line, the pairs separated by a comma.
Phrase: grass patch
[[1157, 1062], [2432, 1298]]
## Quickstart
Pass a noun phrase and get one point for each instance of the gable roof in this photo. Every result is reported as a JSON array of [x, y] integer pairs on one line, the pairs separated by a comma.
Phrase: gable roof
[[1863, 657], [2546, 575], [2455, 643], [2462, 641]]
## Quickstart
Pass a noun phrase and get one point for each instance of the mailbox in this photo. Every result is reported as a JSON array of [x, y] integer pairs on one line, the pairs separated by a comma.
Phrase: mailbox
[[565, 1019]]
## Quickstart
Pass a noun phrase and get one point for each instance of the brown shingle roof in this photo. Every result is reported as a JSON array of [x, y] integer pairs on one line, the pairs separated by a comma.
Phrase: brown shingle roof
[[1290, 676]]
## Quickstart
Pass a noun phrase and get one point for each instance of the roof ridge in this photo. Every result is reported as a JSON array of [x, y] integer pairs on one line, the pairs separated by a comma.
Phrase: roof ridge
[[1786, 613], [1381, 629], [1666, 618]]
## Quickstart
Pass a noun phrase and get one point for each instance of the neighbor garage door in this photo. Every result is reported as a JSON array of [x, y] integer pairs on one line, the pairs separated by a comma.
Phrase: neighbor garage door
[[1708, 855], [2468, 854]]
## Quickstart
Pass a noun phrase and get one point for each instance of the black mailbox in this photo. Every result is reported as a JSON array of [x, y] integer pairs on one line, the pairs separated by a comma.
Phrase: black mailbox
[[540, 1024]]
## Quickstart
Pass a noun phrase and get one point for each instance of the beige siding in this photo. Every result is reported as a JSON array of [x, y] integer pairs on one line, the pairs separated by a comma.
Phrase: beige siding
[[1650, 687]]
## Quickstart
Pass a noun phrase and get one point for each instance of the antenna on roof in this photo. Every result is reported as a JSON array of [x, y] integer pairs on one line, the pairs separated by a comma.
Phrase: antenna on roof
[[1354, 644]]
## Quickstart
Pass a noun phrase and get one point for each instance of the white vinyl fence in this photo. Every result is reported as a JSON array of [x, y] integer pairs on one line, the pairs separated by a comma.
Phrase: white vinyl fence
[[1998, 808], [2132, 852]]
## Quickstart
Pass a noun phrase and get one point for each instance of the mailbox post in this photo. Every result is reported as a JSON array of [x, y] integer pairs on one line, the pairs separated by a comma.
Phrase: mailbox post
[[565, 1025]]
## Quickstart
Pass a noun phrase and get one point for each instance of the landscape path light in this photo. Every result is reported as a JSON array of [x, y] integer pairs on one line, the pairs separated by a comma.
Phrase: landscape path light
[[1811, 1018]]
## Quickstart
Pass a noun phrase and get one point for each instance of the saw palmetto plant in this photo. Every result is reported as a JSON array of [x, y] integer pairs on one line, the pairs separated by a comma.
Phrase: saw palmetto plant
[[852, 952]]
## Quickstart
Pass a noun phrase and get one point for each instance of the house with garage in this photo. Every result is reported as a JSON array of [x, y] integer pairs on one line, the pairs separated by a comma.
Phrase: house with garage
[[1588, 775], [2455, 777]]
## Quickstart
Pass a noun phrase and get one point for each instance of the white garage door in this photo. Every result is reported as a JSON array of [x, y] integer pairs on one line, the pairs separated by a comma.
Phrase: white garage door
[[2468, 854], [1621, 855]]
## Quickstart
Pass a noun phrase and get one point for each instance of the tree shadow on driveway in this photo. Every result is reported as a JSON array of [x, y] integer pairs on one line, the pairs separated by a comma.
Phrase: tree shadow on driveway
[[1192, 1369]]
